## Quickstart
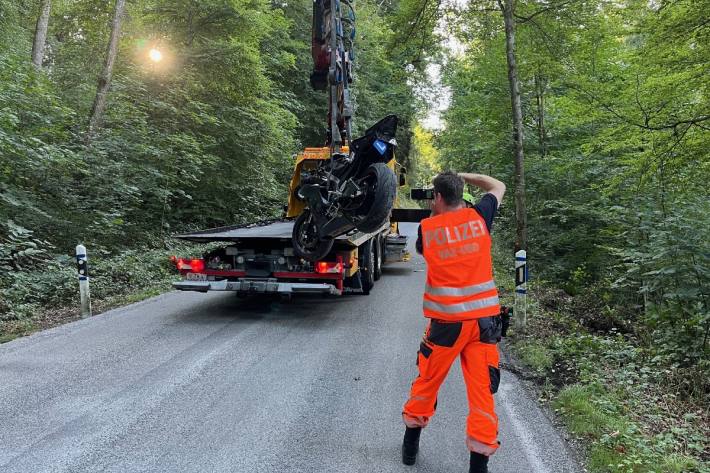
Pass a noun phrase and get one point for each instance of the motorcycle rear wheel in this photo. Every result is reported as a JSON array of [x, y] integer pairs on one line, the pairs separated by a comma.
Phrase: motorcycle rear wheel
[[304, 237], [381, 189]]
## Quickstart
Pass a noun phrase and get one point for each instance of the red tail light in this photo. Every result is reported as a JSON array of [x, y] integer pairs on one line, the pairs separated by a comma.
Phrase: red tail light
[[330, 267], [184, 264]]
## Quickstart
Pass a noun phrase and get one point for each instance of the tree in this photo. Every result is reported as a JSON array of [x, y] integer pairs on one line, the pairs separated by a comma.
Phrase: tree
[[507, 8], [104, 82], [41, 33]]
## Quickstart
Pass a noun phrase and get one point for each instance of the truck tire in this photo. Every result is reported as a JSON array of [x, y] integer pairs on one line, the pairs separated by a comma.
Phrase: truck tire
[[305, 239], [377, 244], [378, 204], [367, 266]]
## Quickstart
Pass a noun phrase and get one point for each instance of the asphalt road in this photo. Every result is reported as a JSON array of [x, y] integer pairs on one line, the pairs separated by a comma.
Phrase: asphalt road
[[211, 383]]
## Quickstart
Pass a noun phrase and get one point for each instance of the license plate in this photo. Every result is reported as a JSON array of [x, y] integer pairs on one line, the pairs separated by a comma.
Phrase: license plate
[[196, 277]]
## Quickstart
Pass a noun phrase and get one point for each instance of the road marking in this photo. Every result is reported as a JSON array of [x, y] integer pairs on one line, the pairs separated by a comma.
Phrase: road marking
[[527, 441]]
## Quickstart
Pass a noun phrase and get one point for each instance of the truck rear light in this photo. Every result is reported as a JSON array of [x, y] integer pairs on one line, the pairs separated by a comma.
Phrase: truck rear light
[[330, 267], [184, 264], [197, 265], [180, 263]]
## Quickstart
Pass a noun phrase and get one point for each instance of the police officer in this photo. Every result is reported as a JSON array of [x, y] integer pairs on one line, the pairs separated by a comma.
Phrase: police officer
[[461, 301]]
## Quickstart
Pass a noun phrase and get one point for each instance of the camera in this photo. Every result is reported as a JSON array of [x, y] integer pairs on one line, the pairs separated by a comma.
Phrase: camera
[[422, 194]]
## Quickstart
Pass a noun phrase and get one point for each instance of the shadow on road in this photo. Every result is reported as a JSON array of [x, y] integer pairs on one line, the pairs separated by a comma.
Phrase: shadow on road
[[400, 271], [264, 308]]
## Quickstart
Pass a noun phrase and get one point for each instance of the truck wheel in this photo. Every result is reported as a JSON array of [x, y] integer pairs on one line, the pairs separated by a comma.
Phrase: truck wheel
[[367, 266], [381, 187], [305, 239], [377, 245]]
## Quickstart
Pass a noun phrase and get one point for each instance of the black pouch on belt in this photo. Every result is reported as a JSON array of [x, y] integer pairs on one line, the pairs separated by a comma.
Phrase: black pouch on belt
[[506, 313]]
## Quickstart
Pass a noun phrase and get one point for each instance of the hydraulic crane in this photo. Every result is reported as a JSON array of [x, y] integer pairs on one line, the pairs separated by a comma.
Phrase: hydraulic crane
[[333, 37]]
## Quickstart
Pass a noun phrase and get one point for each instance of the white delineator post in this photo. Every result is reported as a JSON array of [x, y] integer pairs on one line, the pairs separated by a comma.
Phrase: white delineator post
[[521, 287], [82, 266]]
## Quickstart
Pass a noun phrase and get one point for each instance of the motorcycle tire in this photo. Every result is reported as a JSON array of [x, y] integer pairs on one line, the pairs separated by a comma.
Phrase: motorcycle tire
[[381, 199], [310, 249]]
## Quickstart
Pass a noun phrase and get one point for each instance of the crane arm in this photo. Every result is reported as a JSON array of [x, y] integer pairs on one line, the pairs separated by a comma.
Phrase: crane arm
[[333, 35]]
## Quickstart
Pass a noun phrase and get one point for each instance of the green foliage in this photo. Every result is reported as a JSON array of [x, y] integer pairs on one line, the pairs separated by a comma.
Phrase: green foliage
[[638, 411], [53, 283], [617, 117], [202, 138], [19, 250], [536, 356], [619, 444], [670, 270], [382, 85]]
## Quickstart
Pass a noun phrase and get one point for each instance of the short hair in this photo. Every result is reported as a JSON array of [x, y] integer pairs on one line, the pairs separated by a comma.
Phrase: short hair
[[450, 186]]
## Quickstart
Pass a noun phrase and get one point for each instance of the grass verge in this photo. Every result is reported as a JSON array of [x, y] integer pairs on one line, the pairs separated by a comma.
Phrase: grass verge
[[632, 409], [45, 297], [633, 412]]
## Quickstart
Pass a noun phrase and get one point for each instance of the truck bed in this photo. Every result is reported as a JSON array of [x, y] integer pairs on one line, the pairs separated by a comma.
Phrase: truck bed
[[266, 230]]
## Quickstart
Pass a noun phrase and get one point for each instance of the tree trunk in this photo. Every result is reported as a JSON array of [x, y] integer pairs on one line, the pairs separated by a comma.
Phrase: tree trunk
[[97, 109], [540, 97], [507, 7], [41, 33]]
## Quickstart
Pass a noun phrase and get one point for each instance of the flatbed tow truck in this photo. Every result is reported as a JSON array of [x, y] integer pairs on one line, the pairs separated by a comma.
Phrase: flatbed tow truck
[[259, 257]]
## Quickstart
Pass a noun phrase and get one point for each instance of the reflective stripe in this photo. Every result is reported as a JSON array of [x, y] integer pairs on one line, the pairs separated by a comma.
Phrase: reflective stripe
[[493, 420], [462, 306], [460, 291], [414, 421], [480, 447]]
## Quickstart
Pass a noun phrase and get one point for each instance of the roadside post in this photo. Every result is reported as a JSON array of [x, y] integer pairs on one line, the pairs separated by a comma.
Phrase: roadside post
[[521, 286], [82, 266]]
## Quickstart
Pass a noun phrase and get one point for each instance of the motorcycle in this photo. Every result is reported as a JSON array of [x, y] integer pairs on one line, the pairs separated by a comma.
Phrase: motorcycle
[[348, 191]]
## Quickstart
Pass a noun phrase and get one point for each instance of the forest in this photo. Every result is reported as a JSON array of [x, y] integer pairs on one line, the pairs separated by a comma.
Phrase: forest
[[204, 137], [207, 103]]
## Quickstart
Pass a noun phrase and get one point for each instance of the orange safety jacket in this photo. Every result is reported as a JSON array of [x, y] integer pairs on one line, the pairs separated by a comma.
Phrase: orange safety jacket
[[457, 249]]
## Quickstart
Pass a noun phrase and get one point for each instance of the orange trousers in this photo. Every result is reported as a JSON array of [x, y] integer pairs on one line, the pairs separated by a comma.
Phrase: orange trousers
[[476, 342]]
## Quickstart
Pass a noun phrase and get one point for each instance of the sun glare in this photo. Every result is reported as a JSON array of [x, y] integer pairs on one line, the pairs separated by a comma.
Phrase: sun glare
[[155, 55]]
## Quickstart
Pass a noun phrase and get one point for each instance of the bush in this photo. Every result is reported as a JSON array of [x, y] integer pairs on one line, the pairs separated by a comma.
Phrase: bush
[[53, 283]]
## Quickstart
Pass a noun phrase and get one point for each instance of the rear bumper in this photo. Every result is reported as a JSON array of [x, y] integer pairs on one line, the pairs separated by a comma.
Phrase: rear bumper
[[258, 287]]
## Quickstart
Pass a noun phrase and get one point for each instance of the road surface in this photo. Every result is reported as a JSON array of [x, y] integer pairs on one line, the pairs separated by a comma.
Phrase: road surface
[[189, 382]]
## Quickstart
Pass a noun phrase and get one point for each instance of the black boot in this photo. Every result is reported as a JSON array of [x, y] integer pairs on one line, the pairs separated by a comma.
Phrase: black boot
[[410, 445], [479, 463]]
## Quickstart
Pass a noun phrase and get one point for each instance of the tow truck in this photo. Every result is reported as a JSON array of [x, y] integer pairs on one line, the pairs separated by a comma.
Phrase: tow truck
[[261, 257]]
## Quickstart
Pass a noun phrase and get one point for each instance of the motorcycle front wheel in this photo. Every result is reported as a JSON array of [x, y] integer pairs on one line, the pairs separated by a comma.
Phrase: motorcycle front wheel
[[306, 243]]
